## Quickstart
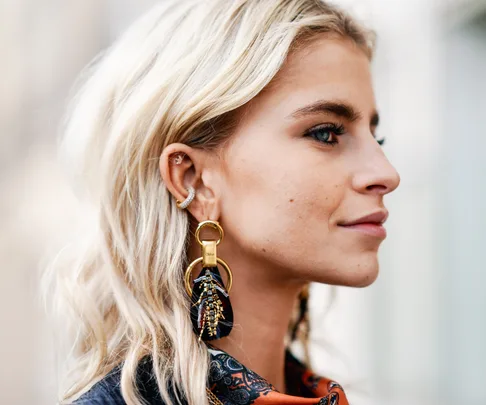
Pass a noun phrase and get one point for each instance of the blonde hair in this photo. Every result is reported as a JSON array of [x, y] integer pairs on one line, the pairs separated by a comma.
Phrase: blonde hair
[[176, 75]]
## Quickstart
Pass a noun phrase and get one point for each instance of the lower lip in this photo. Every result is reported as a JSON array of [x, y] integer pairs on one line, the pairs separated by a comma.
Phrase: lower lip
[[368, 228]]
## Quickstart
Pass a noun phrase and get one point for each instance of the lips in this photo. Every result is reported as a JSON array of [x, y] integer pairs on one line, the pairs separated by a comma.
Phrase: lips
[[376, 218], [371, 224]]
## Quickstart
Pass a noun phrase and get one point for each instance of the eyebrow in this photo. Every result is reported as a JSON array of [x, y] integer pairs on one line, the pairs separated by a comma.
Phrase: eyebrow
[[338, 108]]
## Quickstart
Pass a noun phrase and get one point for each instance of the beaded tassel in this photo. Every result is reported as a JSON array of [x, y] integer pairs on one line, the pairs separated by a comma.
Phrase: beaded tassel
[[211, 311]]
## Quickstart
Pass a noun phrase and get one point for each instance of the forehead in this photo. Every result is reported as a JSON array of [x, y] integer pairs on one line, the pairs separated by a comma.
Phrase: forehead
[[324, 68]]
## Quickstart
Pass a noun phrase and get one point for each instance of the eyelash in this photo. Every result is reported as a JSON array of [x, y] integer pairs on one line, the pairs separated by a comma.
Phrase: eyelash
[[330, 128], [337, 130]]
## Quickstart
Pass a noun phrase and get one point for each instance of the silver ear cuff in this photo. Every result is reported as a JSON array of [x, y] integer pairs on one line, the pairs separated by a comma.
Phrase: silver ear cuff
[[187, 201]]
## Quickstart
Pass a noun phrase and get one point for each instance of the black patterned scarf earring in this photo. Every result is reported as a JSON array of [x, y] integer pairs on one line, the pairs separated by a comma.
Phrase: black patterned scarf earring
[[301, 328], [211, 311]]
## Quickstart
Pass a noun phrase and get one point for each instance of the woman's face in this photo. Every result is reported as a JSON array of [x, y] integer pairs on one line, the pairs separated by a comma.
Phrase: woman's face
[[305, 159]]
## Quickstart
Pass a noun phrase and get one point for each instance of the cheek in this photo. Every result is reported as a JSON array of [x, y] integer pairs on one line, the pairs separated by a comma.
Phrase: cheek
[[280, 206]]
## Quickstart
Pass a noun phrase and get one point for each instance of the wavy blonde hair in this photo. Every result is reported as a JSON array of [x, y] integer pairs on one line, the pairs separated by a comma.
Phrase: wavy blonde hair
[[176, 75]]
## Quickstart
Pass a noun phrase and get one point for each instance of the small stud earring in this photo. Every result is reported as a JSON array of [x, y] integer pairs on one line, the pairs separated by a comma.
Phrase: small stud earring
[[179, 158]]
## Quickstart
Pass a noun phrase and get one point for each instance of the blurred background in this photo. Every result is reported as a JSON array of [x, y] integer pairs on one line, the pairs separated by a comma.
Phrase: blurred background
[[418, 334]]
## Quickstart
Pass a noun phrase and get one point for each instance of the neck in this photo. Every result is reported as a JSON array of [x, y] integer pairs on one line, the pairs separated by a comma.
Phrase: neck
[[262, 309]]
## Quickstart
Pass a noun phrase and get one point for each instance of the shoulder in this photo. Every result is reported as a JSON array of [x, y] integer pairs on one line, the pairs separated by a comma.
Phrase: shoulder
[[108, 391], [105, 392]]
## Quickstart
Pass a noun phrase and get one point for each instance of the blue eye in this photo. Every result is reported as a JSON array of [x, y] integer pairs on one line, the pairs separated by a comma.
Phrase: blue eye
[[326, 133]]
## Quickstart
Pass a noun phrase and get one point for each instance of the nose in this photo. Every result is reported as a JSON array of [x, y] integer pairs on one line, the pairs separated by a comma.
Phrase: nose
[[374, 173]]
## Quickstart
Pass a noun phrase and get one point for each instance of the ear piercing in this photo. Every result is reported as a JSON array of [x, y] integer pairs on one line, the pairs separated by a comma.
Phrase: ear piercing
[[179, 157], [187, 201]]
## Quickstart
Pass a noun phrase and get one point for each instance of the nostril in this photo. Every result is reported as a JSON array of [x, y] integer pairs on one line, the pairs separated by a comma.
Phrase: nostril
[[377, 187]]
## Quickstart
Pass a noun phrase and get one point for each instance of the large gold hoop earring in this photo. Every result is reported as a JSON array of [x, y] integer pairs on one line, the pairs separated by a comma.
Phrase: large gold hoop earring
[[187, 277], [211, 311]]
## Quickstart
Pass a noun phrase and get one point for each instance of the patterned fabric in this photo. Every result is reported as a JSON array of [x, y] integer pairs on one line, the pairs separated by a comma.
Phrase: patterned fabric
[[211, 312], [234, 384], [229, 383]]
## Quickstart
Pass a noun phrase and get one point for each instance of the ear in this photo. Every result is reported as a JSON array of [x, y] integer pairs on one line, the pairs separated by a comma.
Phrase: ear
[[182, 166]]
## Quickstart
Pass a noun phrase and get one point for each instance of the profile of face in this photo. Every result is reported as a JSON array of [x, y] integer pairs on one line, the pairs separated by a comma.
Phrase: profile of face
[[303, 160]]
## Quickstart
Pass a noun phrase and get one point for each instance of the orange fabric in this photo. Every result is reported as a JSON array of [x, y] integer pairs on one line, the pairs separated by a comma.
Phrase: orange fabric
[[325, 396]]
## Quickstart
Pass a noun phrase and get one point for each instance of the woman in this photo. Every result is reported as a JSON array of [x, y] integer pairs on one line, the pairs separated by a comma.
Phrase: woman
[[229, 150]]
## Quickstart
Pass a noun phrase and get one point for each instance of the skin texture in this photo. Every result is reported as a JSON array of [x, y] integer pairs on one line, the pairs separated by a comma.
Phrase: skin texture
[[279, 195]]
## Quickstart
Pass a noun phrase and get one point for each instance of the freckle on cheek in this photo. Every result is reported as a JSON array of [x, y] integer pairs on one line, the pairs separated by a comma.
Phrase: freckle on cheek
[[291, 200], [264, 250]]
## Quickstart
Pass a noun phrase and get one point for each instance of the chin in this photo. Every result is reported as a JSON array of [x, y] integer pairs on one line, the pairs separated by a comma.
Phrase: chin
[[366, 272], [365, 279], [358, 275]]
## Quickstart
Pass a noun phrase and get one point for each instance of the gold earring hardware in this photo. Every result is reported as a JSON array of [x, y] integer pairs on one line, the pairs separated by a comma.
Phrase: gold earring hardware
[[211, 224], [187, 278], [209, 256]]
